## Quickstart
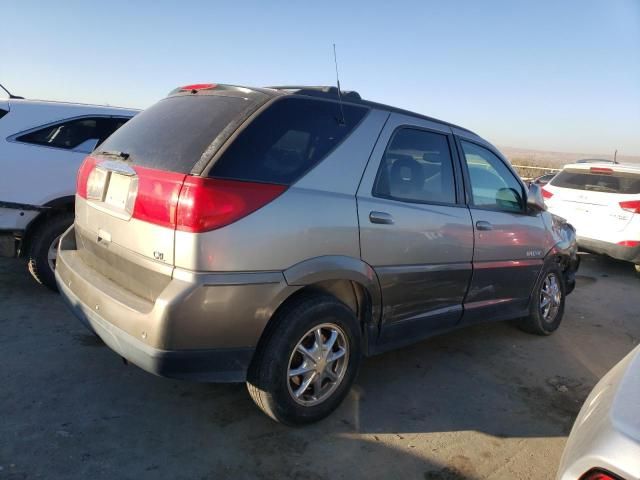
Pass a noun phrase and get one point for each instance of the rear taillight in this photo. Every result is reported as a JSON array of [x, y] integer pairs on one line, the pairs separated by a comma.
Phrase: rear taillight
[[597, 474], [156, 200], [83, 175], [546, 193], [629, 243], [196, 204], [632, 206], [96, 183], [209, 203]]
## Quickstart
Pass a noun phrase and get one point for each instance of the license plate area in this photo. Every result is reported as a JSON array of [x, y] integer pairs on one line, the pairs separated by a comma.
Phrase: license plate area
[[118, 191]]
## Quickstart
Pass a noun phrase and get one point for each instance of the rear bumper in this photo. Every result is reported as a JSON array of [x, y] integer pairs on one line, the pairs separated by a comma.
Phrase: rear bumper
[[202, 327], [628, 254], [207, 365]]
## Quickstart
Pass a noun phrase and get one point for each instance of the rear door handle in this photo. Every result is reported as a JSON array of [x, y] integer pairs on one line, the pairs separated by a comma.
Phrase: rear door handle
[[482, 225], [381, 217]]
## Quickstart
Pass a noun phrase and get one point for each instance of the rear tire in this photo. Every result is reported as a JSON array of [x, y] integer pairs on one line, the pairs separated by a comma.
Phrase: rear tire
[[41, 265], [547, 303], [291, 345]]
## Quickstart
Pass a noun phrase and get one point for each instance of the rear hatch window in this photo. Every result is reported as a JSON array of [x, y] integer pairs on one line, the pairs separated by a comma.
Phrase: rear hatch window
[[614, 182], [175, 132], [286, 140]]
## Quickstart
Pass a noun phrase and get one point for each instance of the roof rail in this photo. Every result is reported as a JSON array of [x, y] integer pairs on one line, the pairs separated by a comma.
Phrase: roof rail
[[318, 91]]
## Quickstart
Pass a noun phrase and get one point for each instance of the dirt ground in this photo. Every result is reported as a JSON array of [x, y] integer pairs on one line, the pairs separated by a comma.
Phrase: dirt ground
[[485, 402]]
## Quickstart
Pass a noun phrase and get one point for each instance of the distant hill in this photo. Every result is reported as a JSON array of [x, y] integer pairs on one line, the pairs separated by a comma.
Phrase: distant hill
[[556, 159]]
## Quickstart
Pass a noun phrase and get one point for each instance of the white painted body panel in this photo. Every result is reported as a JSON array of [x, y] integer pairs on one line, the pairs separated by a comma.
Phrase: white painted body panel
[[34, 174]]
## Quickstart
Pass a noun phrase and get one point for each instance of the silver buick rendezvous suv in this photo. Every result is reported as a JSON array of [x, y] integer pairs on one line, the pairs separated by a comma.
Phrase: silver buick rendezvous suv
[[278, 235]]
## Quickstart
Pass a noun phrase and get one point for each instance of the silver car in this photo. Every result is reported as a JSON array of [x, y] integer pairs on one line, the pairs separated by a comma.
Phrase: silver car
[[278, 235], [604, 443]]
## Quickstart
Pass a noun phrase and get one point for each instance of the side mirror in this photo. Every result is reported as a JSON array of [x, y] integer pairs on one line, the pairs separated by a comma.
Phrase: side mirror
[[88, 146], [535, 200]]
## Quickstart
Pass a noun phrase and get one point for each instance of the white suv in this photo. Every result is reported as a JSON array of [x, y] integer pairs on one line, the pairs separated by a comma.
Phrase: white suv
[[602, 202], [42, 144]]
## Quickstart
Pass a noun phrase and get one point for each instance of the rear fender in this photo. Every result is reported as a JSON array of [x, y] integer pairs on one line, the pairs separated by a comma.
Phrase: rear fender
[[338, 267]]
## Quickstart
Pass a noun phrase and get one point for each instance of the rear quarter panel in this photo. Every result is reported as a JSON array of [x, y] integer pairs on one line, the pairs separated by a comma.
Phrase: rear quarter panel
[[315, 217]]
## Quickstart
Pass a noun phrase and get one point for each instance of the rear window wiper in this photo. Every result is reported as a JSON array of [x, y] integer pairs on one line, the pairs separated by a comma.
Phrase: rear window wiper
[[114, 153]]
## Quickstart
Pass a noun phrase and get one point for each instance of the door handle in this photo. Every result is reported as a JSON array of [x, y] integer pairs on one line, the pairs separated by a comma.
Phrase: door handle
[[482, 225], [381, 217]]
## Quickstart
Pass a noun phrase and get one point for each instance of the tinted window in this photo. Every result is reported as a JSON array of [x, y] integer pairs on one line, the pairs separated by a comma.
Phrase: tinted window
[[175, 132], [66, 135], [492, 183], [110, 125], [416, 167], [617, 182], [286, 140], [3, 112]]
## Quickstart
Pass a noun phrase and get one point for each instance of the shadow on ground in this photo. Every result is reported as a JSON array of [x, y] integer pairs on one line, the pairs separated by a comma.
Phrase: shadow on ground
[[487, 400]]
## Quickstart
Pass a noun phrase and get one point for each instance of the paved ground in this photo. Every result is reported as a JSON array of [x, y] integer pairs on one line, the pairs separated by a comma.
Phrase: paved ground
[[485, 402]]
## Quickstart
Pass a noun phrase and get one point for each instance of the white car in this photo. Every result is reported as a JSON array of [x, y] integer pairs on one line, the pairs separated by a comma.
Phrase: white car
[[604, 443], [42, 144], [602, 202]]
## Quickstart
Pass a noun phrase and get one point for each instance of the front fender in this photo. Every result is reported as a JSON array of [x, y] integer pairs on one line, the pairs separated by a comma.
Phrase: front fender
[[564, 249]]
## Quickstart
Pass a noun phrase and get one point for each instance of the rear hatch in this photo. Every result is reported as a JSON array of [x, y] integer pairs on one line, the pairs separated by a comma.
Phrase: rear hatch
[[594, 199], [128, 190]]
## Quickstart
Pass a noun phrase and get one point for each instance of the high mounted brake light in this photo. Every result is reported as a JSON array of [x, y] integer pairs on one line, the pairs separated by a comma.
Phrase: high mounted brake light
[[198, 86], [601, 170]]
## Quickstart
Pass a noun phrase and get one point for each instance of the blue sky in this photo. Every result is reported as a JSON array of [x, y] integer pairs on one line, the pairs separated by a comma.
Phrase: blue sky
[[545, 74]]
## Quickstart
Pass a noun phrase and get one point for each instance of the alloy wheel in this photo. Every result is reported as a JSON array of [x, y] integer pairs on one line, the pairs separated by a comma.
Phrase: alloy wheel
[[550, 298], [318, 364]]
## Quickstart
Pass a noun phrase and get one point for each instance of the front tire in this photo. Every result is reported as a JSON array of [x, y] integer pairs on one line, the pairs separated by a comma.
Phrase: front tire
[[43, 249], [307, 361], [547, 303]]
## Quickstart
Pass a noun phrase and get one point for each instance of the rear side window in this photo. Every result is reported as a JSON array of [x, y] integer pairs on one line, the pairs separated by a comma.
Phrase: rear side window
[[68, 134], [417, 167], [616, 182], [175, 132], [287, 140]]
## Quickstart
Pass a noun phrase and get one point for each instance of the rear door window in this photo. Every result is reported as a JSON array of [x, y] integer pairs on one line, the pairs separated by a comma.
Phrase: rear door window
[[175, 132], [417, 167], [615, 182], [68, 134], [286, 140], [110, 125]]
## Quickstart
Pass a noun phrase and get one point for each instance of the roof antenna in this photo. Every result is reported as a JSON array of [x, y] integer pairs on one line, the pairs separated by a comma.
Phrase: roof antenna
[[615, 156], [335, 60], [10, 94]]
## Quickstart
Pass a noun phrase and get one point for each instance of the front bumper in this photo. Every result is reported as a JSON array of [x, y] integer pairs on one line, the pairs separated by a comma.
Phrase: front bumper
[[628, 254], [201, 327]]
